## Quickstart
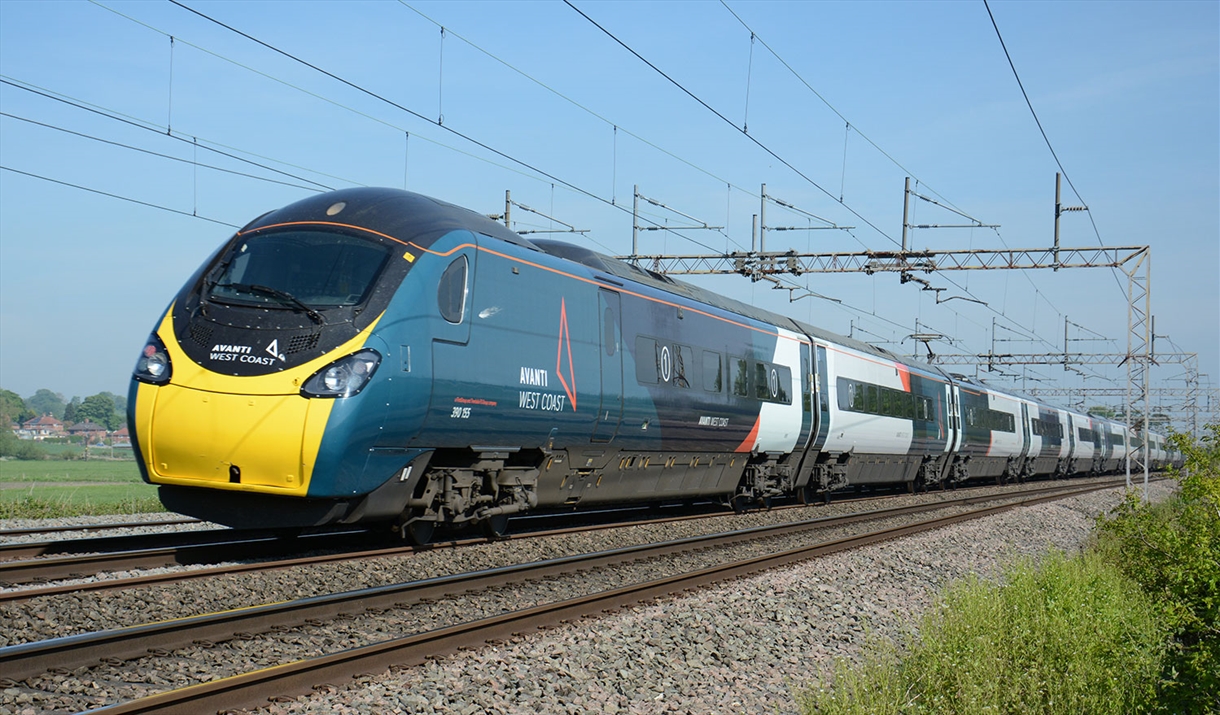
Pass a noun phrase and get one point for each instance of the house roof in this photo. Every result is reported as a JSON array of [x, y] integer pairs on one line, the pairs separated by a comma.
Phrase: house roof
[[86, 426], [43, 421]]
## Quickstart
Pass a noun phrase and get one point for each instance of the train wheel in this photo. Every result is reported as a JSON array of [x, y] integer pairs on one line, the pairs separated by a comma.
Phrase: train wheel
[[808, 495], [496, 527], [419, 532], [740, 503], [765, 503]]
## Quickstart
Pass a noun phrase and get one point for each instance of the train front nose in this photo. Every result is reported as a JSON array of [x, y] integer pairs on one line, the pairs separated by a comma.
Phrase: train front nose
[[207, 439]]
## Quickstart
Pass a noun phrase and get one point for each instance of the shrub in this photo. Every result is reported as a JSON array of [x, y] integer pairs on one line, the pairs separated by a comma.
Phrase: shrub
[[1172, 550]]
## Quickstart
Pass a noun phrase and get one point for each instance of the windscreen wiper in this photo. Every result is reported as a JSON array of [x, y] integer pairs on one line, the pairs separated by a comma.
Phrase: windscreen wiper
[[283, 295]]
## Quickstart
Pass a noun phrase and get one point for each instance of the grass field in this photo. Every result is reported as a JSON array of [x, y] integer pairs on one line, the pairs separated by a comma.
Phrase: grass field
[[55, 488]]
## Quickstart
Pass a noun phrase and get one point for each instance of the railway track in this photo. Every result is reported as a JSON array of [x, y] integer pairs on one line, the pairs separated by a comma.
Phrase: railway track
[[707, 559], [38, 563], [127, 553], [99, 526]]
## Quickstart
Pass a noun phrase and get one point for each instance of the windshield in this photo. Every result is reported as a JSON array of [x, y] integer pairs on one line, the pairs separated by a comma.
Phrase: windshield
[[307, 269]]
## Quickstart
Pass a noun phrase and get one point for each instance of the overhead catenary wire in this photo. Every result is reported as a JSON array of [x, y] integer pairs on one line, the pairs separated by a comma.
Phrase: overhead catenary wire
[[170, 157], [1045, 138], [753, 139], [147, 127], [728, 121], [188, 214], [726, 236], [521, 162], [944, 203], [420, 116]]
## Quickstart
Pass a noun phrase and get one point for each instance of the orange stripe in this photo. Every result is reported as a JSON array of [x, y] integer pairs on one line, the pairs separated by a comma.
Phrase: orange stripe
[[748, 444]]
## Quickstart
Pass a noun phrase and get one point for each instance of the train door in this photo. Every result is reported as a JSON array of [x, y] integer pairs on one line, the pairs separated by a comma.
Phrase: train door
[[822, 397], [953, 417], [808, 400], [1027, 442], [610, 411]]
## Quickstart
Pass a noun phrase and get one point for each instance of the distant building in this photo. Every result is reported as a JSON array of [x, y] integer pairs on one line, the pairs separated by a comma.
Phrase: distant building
[[120, 437], [40, 428], [89, 430]]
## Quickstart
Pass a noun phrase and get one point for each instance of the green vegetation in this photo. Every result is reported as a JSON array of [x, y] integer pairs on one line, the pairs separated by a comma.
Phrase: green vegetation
[[50, 489], [1069, 636], [83, 501], [1133, 625], [121, 472], [1172, 550]]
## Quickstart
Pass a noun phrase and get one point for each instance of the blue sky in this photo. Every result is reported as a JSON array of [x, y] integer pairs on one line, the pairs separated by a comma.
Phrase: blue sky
[[1128, 93]]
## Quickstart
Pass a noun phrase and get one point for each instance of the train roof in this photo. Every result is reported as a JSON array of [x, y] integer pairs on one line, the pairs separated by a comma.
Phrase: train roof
[[632, 272], [402, 214]]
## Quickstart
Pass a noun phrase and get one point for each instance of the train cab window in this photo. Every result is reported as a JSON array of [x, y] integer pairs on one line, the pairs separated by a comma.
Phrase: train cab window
[[279, 269], [741, 377], [712, 373], [451, 291]]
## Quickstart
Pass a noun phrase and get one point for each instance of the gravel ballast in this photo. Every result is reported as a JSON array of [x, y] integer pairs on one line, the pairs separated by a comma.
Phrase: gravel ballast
[[738, 648]]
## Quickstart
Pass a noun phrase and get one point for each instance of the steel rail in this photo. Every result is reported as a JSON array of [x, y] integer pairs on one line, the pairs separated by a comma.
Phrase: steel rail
[[229, 546], [4, 533], [29, 659], [67, 570], [30, 572], [255, 688]]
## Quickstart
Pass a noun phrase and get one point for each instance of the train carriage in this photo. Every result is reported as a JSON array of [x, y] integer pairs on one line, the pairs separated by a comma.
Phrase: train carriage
[[373, 355]]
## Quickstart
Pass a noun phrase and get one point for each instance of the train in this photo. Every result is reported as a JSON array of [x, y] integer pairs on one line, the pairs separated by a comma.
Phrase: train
[[374, 356]]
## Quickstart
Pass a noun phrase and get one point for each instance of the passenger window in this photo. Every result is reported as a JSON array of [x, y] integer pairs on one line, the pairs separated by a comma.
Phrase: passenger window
[[665, 363], [856, 393], [711, 372], [741, 377], [870, 399], [646, 369], [783, 379], [762, 388], [684, 359], [451, 291]]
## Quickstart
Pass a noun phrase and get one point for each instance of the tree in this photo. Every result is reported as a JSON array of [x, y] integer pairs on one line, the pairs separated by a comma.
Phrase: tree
[[70, 410], [97, 408], [13, 409], [45, 402], [120, 402]]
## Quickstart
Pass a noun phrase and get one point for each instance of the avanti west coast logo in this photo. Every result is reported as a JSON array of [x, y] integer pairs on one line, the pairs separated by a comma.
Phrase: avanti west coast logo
[[223, 352]]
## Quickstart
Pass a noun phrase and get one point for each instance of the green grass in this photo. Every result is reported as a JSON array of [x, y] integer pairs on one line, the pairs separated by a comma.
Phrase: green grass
[[46, 489], [20, 471], [1069, 636]]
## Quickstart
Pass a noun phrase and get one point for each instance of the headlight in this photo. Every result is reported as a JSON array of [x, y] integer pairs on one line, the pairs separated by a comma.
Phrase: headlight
[[153, 366], [344, 377]]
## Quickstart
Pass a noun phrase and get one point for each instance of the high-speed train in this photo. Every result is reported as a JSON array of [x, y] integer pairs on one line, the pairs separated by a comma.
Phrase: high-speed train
[[374, 355]]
